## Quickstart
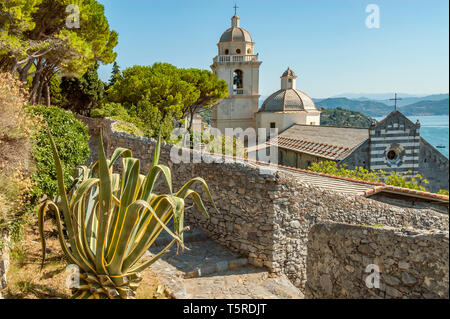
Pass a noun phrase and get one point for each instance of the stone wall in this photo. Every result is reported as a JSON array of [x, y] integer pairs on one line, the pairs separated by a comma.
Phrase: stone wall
[[433, 166], [411, 263], [4, 261], [264, 215]]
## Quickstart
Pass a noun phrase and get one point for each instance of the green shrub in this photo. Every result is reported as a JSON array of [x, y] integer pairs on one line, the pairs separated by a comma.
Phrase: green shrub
[[72, 138], [128, 128], [112, 110], [126, 123], [416, 182], [443, 192]]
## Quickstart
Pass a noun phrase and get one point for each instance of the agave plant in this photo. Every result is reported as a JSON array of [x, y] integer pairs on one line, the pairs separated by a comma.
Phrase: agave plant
[[111, 220]]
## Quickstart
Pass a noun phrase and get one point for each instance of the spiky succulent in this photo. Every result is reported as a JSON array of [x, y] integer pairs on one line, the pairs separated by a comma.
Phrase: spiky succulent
[[112, 219]]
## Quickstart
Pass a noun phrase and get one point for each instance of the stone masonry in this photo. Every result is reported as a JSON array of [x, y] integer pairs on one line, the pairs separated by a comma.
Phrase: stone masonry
[[412, 264], [4, 262], [264, 215]]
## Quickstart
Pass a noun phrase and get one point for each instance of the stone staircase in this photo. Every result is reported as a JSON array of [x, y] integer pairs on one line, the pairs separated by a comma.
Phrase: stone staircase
[[206, 270]]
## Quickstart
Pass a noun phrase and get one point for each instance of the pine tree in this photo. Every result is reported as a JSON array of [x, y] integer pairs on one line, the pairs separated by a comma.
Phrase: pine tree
[[83, 94], [115, 74]]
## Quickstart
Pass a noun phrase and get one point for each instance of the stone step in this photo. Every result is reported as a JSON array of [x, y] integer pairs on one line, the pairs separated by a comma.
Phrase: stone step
[[194, 235], [218, 267], [244, 283], [200, 258]]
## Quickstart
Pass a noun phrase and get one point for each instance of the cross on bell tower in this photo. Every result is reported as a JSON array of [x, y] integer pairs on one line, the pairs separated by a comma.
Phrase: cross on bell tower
[[235, 9]]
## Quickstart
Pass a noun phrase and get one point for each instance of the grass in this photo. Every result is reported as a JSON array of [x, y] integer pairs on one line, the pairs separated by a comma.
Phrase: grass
[[27, 281], [128, 128]]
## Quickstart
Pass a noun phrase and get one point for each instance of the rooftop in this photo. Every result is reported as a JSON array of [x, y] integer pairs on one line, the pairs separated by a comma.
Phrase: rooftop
[[330, 142]]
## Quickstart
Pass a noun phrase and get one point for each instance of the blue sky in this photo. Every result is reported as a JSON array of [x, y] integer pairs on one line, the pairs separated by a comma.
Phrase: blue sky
[[326, 42]]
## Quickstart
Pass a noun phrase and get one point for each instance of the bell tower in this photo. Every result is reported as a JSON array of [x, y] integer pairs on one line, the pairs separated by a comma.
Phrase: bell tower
[[238, 65]]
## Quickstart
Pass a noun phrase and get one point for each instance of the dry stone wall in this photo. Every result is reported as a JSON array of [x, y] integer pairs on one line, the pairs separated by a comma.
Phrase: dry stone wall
[[4, 261], [411, 263], [264, 215], [299, 206]]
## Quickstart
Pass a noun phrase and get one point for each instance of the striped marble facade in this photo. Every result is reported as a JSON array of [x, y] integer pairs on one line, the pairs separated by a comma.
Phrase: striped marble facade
[[398, 135]]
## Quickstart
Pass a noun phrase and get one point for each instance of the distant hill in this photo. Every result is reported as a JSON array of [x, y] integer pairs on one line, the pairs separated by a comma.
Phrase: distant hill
[[340, 117], [411, 100], [427, 108], [373, 96], [367, 107], [377, 108]]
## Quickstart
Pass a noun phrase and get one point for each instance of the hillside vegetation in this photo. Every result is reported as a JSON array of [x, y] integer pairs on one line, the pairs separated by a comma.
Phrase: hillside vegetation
[[340, 117], [369, 108], [15, 152], [427, 108]]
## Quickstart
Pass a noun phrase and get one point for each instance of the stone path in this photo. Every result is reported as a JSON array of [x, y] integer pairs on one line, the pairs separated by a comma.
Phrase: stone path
[[208, 271]]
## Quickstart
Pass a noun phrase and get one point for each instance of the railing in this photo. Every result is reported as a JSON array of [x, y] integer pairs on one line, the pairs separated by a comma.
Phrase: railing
[[236, 58]]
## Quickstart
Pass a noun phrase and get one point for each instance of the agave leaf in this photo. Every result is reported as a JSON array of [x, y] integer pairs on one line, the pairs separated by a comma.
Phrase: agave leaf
[[150, 181], [46, 206], [130, 179], [105, 203], [198, 202], [81, 191], [157, 151], [118, 152], [182, 193], [130, 220], [155, 258], [64, 202], [154, 222]]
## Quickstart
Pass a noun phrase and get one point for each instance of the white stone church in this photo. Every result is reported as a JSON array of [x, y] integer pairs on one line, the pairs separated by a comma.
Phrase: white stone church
[[238, 65], [393, 144]]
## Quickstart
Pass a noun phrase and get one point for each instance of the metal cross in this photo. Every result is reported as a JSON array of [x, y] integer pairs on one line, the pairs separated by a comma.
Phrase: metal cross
[[235, 9], [395, 99]]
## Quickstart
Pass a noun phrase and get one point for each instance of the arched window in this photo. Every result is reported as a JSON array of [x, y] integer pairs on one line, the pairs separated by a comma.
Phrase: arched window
[[238, 51], [249, 51], [238, 80], [227, 52]]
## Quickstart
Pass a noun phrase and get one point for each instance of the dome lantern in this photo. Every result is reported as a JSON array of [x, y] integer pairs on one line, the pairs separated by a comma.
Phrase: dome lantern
[[288, 98], [288, 80], [235, 21]]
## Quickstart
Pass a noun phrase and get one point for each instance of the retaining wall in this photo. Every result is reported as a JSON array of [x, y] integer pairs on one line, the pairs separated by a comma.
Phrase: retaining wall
[[411, 263], [264, 215]]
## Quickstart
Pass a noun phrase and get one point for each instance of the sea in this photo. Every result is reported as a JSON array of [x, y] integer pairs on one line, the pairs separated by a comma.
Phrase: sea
[[433, 128]]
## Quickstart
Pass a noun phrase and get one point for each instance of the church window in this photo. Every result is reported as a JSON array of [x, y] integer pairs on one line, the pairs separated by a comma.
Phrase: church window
[[238, 51], [273, 125], [227, 51], [238, 80], [249, 51], [391, 155]]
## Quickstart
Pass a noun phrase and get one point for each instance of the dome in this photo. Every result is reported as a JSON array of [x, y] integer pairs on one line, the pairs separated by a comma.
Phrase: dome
[[288, 100], [236, 33]]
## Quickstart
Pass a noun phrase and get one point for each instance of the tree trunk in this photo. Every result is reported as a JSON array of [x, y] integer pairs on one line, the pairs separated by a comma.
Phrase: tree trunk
[[47, 94], [36, 83]]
